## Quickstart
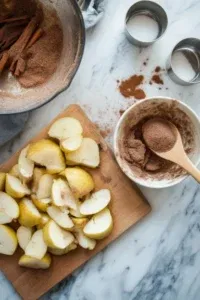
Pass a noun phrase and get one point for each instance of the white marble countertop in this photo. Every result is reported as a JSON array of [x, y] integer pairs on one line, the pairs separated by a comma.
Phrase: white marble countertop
[[159, 258]]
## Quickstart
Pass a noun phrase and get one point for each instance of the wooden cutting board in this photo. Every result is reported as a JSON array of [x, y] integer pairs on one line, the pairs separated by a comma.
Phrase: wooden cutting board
[[128, 206]]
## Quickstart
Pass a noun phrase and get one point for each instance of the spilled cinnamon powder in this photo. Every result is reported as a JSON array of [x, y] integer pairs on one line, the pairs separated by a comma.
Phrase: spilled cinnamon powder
[[157, 79], [129, 87]]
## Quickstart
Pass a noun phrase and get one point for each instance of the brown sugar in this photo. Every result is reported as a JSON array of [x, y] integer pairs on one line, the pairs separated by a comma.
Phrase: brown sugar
[[129, 87], [159, 134]]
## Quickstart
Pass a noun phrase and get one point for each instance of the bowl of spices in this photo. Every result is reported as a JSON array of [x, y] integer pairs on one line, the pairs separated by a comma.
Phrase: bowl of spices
[[41, 46], [145, 126]]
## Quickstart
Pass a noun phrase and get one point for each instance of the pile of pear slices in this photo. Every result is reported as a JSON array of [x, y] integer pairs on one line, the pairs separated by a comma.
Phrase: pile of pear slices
[[49, 201]]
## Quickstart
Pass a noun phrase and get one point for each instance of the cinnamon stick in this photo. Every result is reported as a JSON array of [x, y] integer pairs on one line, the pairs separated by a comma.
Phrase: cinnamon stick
[[3, 61], [20, 67], [36, 36], [11, 20], [17, 49]]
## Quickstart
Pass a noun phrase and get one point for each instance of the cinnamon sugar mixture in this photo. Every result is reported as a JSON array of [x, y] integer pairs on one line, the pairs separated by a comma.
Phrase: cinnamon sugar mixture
[[141, 159], [31, 41]]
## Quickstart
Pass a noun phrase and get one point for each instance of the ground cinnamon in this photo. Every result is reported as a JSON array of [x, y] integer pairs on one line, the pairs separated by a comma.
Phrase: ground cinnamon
[[44, 55], [157, 79], [129, 87], [159, 134]]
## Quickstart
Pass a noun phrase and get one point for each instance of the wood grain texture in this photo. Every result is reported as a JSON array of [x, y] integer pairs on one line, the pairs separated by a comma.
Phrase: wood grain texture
[[128, 206]]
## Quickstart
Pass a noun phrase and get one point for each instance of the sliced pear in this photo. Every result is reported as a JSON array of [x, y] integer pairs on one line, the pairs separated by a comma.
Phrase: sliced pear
[[97, 202], [87, 154], [34, 263], [41, 204], [29, 215], [15, 188], [100, 225], [9, 209], [60, 216], [79, 222], [45, 186], [72, 143], [84, 241], [8, 240], [76, 212], [2, 181], [25, 165], [43, 221], [56, 237], [48, 154], [80, 181], [37, 174], [36, 247], [71, 247], [15, 171], [62, 195], [24, 235], [65, 128]]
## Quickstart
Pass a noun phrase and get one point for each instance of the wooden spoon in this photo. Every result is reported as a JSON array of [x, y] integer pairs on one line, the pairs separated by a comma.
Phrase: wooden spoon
[[177, 155]]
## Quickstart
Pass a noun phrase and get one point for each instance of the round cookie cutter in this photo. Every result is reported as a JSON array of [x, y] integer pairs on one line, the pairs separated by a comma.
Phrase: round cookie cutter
[[149, 9], [190, 48]]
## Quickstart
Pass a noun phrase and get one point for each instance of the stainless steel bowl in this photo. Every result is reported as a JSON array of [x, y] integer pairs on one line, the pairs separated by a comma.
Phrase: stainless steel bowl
[[14, 99]]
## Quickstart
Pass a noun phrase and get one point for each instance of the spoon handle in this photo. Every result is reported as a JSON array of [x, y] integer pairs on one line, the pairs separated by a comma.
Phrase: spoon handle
[[190, 168]]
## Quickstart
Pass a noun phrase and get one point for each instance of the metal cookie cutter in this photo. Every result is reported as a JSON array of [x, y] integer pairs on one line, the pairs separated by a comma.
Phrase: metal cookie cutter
[[151, 10], [189, 49]]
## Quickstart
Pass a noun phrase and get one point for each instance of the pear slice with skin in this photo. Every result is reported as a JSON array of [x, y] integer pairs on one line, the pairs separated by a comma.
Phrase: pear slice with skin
[[25, 165], [59, 252], [15, 171], [8, 240], [71, 144], [65, 128], [87, 154], [48, 154], [36, 247], [62, 195], [84, 241], [97, 202], [29, 215], [80, 181], [55, 237], [43, 221], [41, 204], [34, 263], [45, 186], [60, 216], [9, 209], [24, 235], [100, 225], [2, 181], [15, 188], [37, 174], [79, 223]]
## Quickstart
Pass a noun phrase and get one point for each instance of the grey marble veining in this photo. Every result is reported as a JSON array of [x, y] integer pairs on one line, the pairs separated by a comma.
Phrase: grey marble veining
[[159, 258]]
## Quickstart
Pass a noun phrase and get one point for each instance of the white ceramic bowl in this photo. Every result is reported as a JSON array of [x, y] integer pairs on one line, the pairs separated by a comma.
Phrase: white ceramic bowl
[[127, 120]]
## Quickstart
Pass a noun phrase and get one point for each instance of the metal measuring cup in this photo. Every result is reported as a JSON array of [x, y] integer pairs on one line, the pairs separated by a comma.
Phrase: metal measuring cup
[[190, 48], [149, 9]]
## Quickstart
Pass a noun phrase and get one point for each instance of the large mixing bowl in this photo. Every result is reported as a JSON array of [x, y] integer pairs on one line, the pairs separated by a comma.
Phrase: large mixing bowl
[[15, 99]]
